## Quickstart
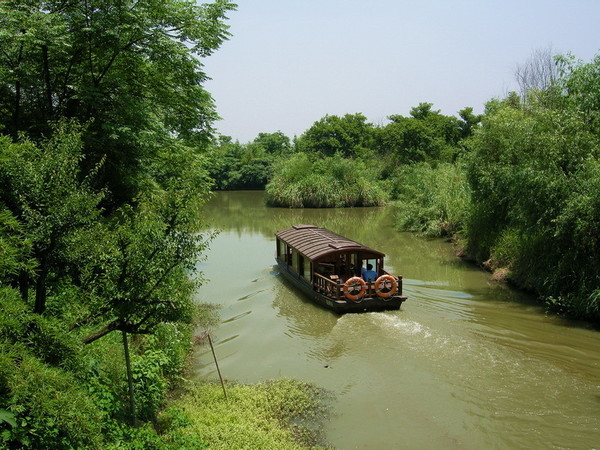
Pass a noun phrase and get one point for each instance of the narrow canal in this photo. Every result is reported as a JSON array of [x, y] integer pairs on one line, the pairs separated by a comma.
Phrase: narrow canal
[[467, 363]]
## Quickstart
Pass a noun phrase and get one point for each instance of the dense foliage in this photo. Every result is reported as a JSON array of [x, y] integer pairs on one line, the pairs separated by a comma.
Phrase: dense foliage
[[534, 173], [433, 201], [522, 197], [103, 118], [326, 182], [375, 153], [346, 161], [235, 166], [126, 69]]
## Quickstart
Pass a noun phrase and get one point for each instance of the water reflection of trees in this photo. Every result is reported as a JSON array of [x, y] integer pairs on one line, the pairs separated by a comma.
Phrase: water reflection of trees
[[245, 212]]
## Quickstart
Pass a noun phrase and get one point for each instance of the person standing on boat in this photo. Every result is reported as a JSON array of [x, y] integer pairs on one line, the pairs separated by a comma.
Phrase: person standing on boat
[[369, 274]]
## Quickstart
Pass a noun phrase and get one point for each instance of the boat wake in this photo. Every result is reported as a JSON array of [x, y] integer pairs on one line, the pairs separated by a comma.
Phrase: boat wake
[[397, 324]]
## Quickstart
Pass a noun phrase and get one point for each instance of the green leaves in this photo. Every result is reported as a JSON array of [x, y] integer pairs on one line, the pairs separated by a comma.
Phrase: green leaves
[[7, 417], [432, 201], [130, 70], [534, 176], [345, 135]]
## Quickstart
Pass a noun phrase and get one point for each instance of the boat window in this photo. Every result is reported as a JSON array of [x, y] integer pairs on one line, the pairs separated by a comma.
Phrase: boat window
[[325, 269], [281, 248], [307, 269], [354, 270], [298, 263]]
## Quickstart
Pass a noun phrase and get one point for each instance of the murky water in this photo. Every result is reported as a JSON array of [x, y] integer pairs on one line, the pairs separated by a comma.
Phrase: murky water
[[466, 363]]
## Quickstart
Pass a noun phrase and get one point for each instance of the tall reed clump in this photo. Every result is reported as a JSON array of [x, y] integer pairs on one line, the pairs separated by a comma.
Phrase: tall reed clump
[[431, 200], [330, 182]]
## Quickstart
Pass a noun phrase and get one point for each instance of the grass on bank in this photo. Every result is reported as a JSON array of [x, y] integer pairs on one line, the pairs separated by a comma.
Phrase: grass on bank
[[281, 414], [329, 182]]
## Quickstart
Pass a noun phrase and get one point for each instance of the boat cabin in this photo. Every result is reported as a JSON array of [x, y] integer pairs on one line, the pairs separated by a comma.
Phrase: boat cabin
[[334, 266]]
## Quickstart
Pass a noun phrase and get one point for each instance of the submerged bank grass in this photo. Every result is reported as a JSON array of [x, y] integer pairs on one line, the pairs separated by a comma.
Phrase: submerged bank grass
[[281, 414], [331, 182]]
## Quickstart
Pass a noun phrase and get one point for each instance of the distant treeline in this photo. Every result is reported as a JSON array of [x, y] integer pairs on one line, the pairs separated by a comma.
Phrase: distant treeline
[[339, 161], [518, 187]]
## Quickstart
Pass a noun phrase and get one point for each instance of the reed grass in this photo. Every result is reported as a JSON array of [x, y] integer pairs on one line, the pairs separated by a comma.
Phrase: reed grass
[[433, 201], [331, 182]]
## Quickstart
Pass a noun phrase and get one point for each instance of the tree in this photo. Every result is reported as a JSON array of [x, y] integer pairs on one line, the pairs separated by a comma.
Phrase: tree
[[43, 189], [139, 277], [130, 69], [469, 121], [133, 268], [349, 135], [422, 111], [276, 144], [408, 139], [582, 84], [534, 176], [426, 136], [538, 72]]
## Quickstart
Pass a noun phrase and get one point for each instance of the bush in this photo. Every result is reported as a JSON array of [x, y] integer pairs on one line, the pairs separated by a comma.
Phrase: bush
[[51, 408], [535, 178], [431, 200], [329, 182], [44, 337]]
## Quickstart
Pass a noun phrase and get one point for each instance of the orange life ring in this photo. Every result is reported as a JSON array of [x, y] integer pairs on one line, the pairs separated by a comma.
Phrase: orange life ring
[[386, 286], [350, 287]]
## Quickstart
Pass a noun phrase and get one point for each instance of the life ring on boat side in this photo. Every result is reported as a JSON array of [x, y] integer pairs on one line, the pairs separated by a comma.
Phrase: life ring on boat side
[[354, 288], [386, 286]]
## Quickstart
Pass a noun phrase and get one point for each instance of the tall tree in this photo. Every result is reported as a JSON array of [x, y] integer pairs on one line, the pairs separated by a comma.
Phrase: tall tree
[[130, 68], [538, 72], [274, 143], [469, 121], [136, 270], [42, 188], [348, 135]]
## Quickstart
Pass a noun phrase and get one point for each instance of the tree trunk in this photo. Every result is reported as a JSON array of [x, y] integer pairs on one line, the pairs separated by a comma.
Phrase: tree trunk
[[132, 410], [47, 82]]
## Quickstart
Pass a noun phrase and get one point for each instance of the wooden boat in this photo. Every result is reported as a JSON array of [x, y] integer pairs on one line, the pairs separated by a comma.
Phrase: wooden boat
[[330, 269]]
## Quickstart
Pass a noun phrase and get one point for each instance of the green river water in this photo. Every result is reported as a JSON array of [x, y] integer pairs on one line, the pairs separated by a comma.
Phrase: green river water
[[466, 363]]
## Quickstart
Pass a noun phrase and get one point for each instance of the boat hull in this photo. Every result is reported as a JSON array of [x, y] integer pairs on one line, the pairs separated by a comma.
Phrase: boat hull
[[339, 306]]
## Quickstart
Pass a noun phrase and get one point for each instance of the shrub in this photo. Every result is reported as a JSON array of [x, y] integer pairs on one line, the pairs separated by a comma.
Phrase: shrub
[[431, 200], [535, 178], [45, 337], [51, 409], [329, 182]]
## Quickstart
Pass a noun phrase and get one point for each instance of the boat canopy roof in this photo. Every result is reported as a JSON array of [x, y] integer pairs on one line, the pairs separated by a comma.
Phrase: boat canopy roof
[[315, 242]]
